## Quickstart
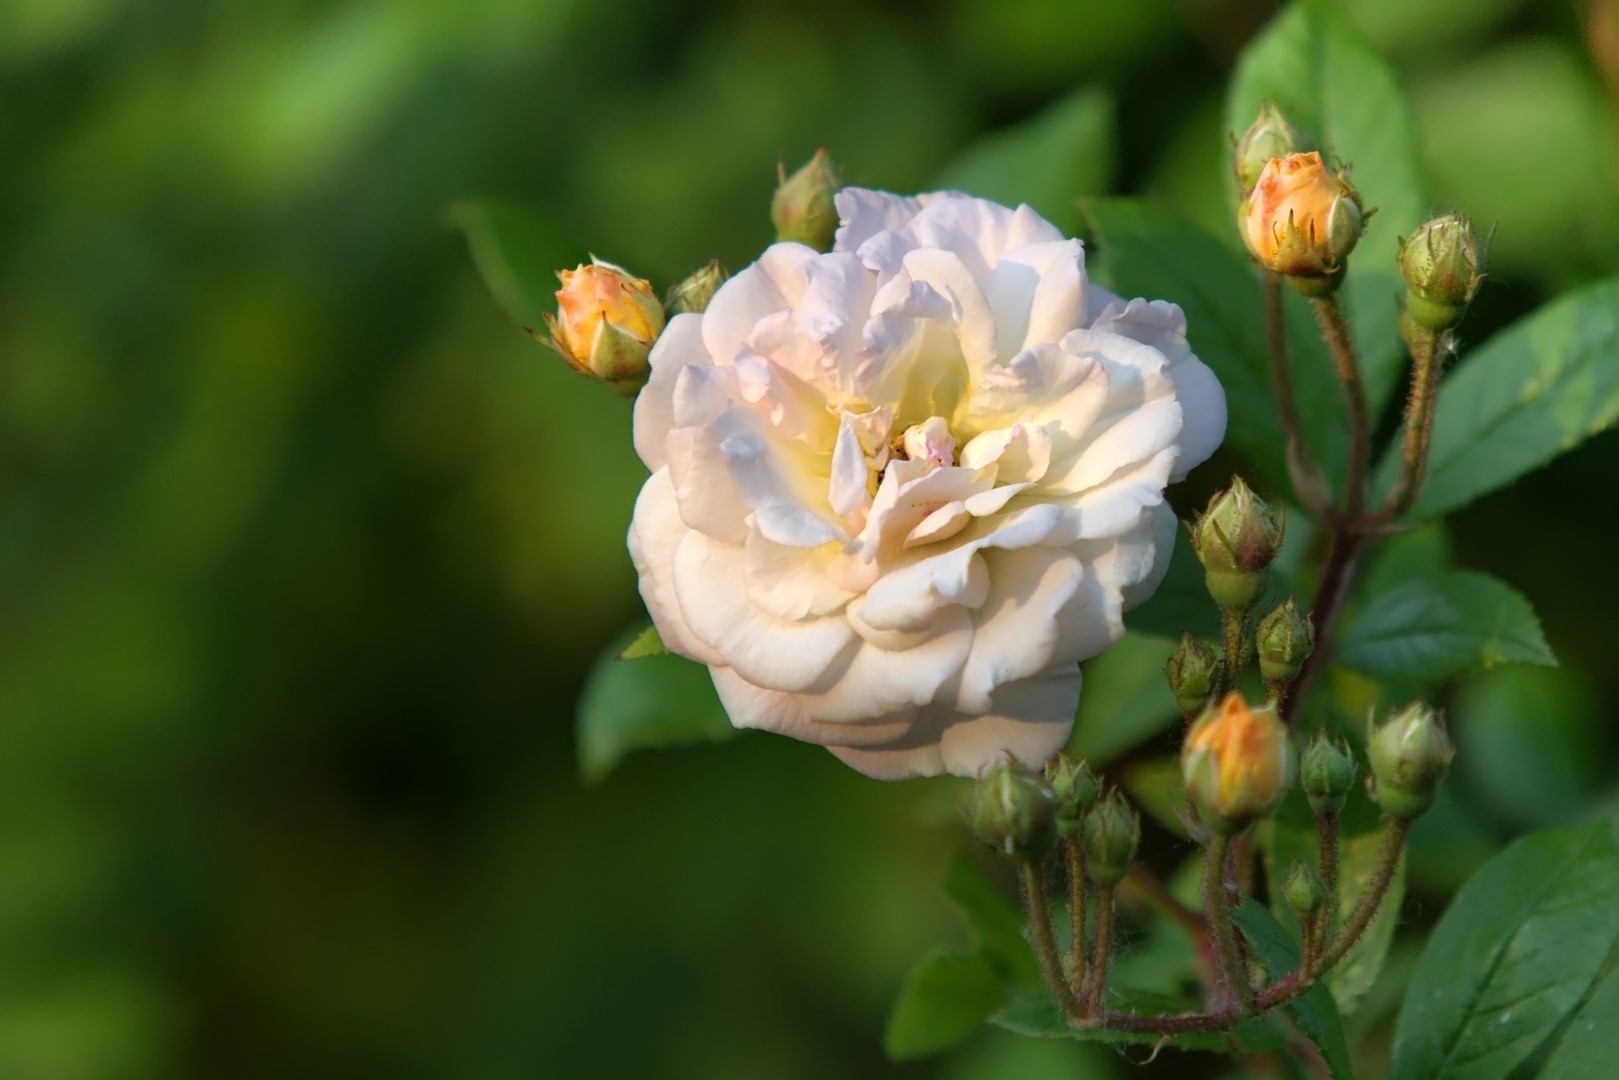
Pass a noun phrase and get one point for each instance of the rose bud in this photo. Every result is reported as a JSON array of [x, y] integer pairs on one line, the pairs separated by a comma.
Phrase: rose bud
[[1074, 790], [606, 323], [1302, 221], [1109, 838], [1194, 671], [1442, 263], [1237, 763], [1014, 813], [1236, 539], [694, 293], [1410, 755], [1302, 889], [802, 209], [1284, 640], [1269, 136], [1325, 773]]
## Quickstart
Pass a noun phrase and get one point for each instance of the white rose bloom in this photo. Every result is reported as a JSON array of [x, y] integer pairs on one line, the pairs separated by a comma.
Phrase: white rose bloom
[[901, 489]]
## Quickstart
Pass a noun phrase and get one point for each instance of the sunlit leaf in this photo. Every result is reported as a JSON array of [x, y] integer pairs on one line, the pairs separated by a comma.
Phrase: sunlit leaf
[[1536, 390], [1513, 956], [1434, 629]]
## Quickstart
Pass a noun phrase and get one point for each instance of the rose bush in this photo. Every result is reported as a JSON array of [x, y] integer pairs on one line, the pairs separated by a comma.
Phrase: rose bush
[[899, 490]]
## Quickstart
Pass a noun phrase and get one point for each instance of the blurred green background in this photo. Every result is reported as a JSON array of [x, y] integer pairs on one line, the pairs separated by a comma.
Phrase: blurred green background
[[305, 549]]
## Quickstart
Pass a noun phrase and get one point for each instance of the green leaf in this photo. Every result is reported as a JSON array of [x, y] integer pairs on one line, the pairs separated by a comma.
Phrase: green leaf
[[995, 924], [1590, 1045], [1125, 700], [1354, 975], [1048, 161], [945, 998], [646, 643], [1152, 252], [1428, 631], [1314, 1011], [1513, 956], [1536, 390], [654, 702], [1320, 70], [517, 253]]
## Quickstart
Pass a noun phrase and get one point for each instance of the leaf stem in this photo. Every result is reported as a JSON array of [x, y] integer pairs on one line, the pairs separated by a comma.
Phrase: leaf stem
[[1038, 907]]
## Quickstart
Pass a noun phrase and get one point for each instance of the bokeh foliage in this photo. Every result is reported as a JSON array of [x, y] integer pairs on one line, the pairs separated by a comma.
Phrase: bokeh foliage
[[305, 550]]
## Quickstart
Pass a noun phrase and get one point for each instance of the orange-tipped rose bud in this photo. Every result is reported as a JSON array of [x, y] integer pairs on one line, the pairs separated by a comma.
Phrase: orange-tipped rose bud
[[1237, 763], [606, 323], [1302, 221]]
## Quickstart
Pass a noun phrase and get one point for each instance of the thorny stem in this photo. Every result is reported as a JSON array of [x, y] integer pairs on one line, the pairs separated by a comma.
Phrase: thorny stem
[[1330, 594], [1218, 913], [1326, 827], [1096, 981], [1427, 347], [1300, 462], [1078, 887], [1234, 642], [1033, 875], [1388, 860], [1291, 985], [1336, 332]]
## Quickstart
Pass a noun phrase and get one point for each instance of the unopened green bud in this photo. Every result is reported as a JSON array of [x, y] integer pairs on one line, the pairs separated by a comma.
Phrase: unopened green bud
[[693, 294], [802, 209], [1236, 539], [1271, 135], [1326, 773], [1014, 813], [606, 322], [1442, 263], [1410, 755], [1109, 837], [1284, 640], [1193, 672], [1073, 788], [1237, 764], [1302, 889]]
